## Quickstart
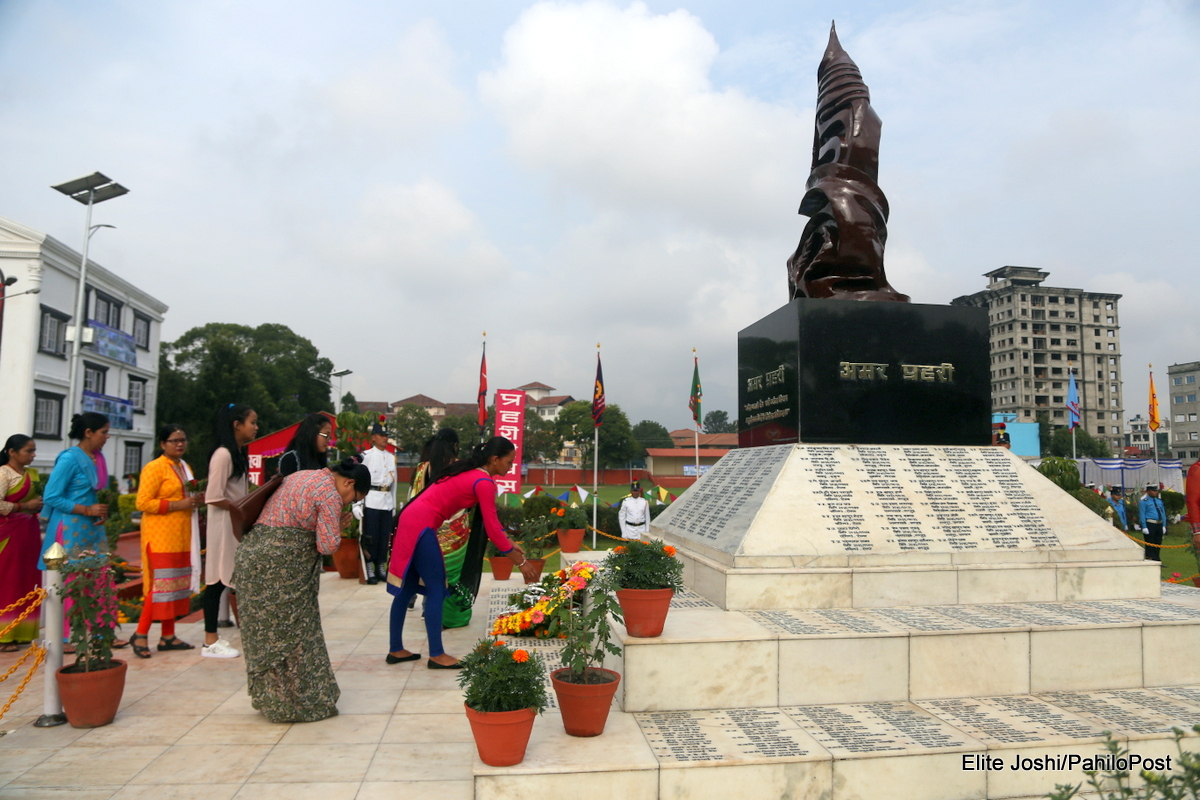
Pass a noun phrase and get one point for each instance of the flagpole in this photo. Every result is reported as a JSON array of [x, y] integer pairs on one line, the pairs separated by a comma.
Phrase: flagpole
[[482, 400], [595, 462], [1153, 424]]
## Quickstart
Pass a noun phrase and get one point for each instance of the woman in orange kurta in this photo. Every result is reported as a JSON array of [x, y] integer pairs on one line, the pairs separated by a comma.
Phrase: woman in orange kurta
[[170, 542]]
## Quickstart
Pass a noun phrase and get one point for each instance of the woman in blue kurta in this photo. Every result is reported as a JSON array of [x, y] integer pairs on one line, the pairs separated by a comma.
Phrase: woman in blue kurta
[[74, 518]]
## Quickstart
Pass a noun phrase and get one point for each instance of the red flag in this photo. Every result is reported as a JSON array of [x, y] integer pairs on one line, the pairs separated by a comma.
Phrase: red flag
[[598, 395], [483, 392]]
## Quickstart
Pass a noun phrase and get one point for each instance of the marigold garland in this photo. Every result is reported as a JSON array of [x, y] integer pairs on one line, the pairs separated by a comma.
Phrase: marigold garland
[[525, 621]]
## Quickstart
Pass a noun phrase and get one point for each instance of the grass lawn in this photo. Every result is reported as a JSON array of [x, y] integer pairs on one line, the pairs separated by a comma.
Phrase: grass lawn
[[1179, 560]]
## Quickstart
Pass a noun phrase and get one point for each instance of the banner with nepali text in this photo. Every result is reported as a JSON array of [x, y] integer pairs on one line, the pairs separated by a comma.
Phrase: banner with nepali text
[[510, 423]]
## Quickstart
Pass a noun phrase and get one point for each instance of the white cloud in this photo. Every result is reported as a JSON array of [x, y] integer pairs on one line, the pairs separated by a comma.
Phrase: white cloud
[[616, 104]]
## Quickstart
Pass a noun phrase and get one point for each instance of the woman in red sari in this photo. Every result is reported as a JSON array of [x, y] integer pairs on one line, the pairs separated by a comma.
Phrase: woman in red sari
[[20, 541]]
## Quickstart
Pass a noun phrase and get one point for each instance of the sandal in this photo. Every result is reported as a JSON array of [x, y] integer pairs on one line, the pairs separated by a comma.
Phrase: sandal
[[9, 647], [140, 650], [174, 643]]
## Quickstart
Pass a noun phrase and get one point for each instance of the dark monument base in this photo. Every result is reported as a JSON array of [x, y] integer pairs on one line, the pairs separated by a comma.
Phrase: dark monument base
[[845, 372]]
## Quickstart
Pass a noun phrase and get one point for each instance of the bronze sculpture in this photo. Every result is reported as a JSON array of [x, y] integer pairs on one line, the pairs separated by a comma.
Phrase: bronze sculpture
[[840, 254]]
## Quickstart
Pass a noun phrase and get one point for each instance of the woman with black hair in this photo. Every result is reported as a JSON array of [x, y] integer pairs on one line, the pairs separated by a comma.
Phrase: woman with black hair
[[237, 426], [20, 538], [307, 449], [76, 519], [168, 499], [417, 566], [277, 570], [439, 452]]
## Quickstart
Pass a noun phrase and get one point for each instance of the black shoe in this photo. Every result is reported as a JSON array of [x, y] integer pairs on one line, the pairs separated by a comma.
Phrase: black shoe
[[391, 659], [436, 665], [372, 581], [412, 603]]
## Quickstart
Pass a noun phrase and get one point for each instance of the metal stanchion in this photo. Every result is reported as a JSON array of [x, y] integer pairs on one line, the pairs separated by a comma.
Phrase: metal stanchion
[[52, 711]]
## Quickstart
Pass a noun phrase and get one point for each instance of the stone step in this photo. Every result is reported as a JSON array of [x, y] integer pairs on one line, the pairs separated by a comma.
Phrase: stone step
[[947, 749], [736, 659], [932, 579]]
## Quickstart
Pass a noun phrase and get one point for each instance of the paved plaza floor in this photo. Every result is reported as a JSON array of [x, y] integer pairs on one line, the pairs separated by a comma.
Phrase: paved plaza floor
[[186, 729]]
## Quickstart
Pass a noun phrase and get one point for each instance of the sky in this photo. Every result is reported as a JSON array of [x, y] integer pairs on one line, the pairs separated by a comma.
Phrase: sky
[[392, 179]]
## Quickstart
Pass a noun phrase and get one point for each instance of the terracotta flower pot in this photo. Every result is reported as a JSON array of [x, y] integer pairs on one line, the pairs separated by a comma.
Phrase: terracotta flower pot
[[345, 558], [645, 610], [91, 699], [570, 540], [502, 567], [584, 706], [501, 736], [538, 564], [1196, 581]]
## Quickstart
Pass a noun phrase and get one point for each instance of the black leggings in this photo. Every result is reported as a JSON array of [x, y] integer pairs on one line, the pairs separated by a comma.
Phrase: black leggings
[[212, 605]]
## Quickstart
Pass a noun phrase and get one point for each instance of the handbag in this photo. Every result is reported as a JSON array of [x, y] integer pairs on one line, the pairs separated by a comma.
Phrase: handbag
[[244, 512]]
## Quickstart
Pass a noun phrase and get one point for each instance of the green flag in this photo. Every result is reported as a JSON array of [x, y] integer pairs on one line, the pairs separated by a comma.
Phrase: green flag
[[694, 402]]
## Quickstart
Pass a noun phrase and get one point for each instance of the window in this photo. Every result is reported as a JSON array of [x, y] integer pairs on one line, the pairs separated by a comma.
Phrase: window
[[1180, 418], [1192, 417], [1112, 346], [107, 311], [1115, 430], [1070, 329], [1058, 398], [1191, 398], [1111, 320], [133, 458], [1112, 375], [1190, 379], [1113, 388], [1099, 415], [1055, 328], [1069, 301], [1072, 343], [53, 337], [1111, 360], [137, 393], [1056, 342], [1108, 306], [94, 377], [47, 415], [1193, 436], [1115, 416], [1178, 381], [141, 331], [1058, 414], [1111, 333], [1100, 430], [1176, 398]]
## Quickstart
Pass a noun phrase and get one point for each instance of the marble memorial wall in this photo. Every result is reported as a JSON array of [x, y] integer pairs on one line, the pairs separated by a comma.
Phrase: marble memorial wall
[[866, 499]]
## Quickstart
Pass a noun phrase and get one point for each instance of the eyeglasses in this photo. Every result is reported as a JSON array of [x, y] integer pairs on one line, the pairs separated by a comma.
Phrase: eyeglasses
[[326, 435], [177, 441]]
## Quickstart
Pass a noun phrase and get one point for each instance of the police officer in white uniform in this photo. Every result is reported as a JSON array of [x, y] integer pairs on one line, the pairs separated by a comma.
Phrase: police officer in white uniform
[[634, 514], [378, 506]]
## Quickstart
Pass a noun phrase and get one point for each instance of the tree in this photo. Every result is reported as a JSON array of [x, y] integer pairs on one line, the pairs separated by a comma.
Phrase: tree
[[719, 422], [617, 445], [1086, 445], [411, 426], [467, 428], [278, 373], [543, 442], [349, 402], [651, 434]]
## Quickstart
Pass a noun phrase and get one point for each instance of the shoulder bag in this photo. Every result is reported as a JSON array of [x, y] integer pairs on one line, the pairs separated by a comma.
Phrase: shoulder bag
[[244, 512]]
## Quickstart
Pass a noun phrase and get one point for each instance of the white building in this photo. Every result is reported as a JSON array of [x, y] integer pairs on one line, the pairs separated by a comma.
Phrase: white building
[[119, 369]]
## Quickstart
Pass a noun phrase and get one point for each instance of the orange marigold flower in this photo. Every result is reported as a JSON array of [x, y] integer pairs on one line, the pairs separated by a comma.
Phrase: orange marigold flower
[[619, 548], [520, 656], [498, 643], [669, 550]]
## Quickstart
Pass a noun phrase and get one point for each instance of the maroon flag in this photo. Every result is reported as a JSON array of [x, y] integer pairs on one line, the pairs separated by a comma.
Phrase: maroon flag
[[483, 392], [598, 395]]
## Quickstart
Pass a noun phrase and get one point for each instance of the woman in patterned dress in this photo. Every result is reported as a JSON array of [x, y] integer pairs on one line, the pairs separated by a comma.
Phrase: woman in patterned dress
[[170, 542], [20, 538], [277, 570]]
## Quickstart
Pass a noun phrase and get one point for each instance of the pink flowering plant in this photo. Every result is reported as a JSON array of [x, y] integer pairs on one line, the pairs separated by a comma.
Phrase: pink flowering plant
[[92, 611]]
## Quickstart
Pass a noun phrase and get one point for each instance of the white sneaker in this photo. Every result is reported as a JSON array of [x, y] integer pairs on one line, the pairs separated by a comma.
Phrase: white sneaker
[[219, 649]]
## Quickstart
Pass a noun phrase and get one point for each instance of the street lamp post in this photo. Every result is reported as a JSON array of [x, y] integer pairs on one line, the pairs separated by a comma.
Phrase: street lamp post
[[339, 375], [92, 189], [4, 284]]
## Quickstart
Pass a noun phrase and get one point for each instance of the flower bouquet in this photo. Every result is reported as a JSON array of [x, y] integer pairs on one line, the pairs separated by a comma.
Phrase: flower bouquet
[[541, 606]]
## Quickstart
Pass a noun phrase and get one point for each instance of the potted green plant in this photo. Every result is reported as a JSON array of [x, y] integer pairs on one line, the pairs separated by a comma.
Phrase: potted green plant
[[572, 524], [91, 688], [502, 566], [504, 689], [533, 535], [584, 688], [646, 575], [345, 558]]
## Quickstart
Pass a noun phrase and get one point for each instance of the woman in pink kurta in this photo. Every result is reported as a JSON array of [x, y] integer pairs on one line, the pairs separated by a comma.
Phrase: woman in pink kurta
[[417, 566], [20, 542]]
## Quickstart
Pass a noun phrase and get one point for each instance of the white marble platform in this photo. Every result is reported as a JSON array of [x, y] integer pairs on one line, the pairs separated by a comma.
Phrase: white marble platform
[[780, 658], [959, 749], [931, 579]]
